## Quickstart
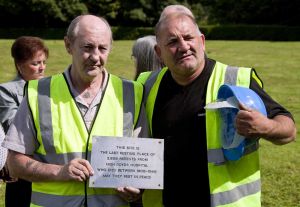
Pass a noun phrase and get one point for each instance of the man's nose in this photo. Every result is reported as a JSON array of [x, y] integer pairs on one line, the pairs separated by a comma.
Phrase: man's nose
[[95, 55], [183, 45]]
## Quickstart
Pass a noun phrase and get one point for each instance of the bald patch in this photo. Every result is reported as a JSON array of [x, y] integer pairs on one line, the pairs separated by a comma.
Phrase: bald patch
[[176, 8], [87, 22], [162, 23]]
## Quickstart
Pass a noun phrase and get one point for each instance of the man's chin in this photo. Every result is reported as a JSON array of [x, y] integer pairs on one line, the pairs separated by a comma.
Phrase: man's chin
[[186, 66], [94, 73]]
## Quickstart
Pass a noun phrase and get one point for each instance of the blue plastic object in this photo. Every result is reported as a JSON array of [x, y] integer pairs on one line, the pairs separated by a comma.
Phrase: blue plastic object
[[244, 95], [248, 98]]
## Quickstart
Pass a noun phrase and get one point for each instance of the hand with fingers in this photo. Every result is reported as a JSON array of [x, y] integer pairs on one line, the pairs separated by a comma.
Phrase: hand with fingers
[[130, 194], [251, 123], [77, 169]]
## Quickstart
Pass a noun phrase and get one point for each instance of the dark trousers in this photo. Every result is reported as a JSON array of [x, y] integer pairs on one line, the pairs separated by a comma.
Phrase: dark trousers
[[18, 194]]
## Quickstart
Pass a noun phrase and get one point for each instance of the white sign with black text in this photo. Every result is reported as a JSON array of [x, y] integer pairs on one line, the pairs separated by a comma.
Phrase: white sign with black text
[[127, 161]]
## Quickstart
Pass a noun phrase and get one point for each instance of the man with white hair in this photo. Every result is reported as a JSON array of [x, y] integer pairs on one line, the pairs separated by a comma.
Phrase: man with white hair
[[50, 139], [175, 8]]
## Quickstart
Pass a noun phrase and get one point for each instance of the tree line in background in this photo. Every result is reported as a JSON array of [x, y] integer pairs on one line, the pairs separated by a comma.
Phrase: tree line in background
[[145, 13]]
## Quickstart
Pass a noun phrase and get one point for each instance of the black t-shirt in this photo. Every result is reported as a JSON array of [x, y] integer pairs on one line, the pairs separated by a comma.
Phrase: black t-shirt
[[179, 119]]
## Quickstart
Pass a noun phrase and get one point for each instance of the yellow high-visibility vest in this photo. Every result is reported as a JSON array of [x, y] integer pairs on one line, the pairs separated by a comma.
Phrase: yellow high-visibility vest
[[63, 135], [232, 183]]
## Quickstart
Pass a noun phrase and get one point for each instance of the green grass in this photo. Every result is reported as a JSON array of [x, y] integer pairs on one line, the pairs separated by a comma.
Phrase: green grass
[[277, 64]]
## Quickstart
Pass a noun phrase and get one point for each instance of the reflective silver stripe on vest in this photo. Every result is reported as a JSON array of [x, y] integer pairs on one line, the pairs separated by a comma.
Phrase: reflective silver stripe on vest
[[128, 108], [45, 117], [231, 75], [149, 83], [216, 156], [49, 200], [235, 194]]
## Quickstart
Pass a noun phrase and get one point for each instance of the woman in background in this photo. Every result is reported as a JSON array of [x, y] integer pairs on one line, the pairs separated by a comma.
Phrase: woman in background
[[30, 55], [144, 55]]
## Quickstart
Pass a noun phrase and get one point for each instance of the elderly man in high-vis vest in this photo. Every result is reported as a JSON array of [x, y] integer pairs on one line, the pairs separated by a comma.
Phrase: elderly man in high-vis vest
[[196, 173], [50, 139]]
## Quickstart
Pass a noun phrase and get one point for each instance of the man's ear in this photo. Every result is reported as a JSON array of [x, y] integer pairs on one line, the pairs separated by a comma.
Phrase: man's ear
[[67, 44], [203, 41], [158, 52]]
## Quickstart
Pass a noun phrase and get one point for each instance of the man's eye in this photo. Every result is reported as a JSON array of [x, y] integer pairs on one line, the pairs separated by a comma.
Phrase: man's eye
[[171, 42], [87, 47], [189, 38], [102, 48]]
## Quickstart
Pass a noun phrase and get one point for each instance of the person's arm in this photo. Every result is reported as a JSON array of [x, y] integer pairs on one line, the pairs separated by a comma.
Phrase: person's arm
[[278, 127], [8, 105], [282, 130], [22, 143], [25, 167], [279, 130]]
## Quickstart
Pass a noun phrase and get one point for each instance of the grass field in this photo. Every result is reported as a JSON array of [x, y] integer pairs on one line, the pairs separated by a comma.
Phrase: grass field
[[277, 63]]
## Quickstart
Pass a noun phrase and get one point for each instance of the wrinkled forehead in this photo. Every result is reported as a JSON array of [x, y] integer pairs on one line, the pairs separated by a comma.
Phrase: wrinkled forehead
[[175, 25], [94, 30], [92, 27]]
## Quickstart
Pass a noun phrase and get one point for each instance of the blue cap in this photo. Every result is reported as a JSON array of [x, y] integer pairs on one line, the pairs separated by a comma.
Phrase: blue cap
[[246, 97]]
